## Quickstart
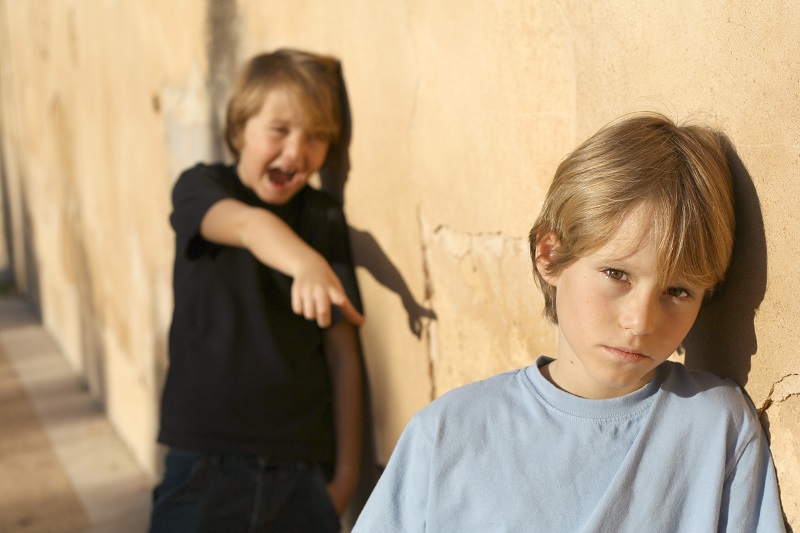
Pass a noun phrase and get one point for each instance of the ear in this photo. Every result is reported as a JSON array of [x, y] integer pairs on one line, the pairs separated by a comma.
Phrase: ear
[[546, 246]]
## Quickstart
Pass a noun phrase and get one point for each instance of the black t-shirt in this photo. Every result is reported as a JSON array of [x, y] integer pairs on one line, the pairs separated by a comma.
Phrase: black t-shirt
[[248, 375]]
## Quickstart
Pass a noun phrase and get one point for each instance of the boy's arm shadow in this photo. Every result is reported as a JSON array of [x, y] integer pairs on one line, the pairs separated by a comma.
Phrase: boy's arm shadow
[[723, 339], [368, 254]]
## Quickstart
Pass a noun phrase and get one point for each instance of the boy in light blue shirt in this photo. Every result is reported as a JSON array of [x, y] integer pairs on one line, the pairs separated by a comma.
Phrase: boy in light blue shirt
[[606, 436]]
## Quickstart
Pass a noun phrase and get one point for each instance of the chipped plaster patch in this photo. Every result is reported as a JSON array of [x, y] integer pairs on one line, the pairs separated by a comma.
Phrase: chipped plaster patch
[[489, 317]]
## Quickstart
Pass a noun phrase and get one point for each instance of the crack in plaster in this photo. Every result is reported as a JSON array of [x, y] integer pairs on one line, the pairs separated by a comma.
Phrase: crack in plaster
[[786, 387], [429, 331]]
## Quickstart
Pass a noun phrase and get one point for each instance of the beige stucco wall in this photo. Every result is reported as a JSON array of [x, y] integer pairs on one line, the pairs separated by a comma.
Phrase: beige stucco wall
[[462, 110]]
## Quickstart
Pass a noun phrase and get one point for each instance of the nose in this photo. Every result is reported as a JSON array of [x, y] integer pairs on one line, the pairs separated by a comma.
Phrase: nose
[[294, 148], [640, 314]]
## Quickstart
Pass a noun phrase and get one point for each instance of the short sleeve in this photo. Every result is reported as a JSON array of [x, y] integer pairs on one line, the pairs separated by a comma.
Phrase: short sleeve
[[399, 500], [751, 501], [195, 191]]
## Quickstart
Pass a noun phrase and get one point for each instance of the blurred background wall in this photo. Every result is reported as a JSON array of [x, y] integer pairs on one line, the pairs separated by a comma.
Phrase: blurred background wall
[[462, 111]]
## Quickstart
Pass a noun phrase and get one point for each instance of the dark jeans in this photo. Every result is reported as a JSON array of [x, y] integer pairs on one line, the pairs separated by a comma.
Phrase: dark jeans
[[234, 493]]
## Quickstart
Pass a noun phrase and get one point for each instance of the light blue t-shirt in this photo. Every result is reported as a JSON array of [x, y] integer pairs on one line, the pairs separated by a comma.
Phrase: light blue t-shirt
[[513, 453]]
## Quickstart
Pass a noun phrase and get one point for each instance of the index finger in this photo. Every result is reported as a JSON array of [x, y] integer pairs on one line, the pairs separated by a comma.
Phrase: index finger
[[350, 313]]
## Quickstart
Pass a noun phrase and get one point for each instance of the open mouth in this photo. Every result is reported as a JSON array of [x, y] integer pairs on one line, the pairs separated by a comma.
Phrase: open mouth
[[281, 177]]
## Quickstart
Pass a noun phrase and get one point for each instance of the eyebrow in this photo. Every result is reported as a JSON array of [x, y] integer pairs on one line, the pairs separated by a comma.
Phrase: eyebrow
[[617, 258]]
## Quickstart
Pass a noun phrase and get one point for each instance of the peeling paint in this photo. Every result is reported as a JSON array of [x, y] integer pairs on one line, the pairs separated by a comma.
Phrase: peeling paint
[[488, 308], [460, 244]]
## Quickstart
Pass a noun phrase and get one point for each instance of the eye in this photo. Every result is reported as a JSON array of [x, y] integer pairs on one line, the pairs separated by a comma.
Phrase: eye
[[319, 137], [278, 128], [679, 292], [614, 274]]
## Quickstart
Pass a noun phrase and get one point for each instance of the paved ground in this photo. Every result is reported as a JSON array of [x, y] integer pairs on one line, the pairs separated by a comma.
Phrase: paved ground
[[62, 467]]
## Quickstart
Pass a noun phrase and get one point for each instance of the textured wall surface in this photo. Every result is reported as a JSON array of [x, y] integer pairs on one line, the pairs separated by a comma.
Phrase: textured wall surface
[[462, 111]]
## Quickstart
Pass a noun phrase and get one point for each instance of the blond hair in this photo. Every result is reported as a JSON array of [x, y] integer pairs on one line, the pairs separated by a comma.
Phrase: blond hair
[[678, 171], [313, 82]]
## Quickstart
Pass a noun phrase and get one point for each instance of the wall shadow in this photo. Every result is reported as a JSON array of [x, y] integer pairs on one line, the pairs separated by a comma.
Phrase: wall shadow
[[366, 250], [723, 339], [369, 255]]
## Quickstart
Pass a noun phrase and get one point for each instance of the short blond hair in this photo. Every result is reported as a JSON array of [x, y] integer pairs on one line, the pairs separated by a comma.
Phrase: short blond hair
[[678, 171], [313, 82]]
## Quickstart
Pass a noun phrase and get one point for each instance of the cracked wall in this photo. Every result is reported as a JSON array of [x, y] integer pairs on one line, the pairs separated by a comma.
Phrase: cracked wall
[[462, 111], [782, 415]]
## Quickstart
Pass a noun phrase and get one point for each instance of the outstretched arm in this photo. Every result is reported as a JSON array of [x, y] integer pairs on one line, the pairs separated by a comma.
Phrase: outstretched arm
[[341, 349], [315, 287]]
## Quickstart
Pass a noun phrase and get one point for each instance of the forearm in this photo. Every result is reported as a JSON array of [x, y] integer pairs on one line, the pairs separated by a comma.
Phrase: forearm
[[315, 286], [341, 348], [263, 233]]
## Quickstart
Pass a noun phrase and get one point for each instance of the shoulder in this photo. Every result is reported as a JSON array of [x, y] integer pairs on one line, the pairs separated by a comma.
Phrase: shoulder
[[214, 171], [708, 396], [479, 393], [202, 177], [211, 172], [195, 191], [687, 382], [478, 400]]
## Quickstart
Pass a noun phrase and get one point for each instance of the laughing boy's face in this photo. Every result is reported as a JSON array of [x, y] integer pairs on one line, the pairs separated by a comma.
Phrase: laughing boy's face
[[278, 153]]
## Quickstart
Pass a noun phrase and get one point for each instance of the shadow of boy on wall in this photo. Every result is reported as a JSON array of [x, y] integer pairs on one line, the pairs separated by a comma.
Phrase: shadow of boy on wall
[[723, 339]]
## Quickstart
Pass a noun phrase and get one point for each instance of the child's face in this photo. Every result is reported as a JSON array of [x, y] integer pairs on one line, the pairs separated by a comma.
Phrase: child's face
[[616, 323], [278, 154]]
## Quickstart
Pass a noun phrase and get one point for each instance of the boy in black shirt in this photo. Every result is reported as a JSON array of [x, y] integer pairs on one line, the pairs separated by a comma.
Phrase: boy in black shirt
[[262, 403]]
